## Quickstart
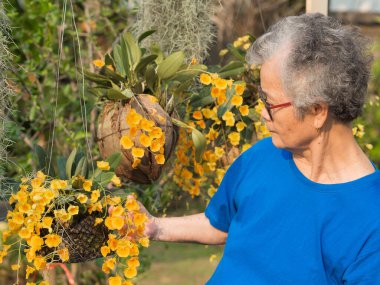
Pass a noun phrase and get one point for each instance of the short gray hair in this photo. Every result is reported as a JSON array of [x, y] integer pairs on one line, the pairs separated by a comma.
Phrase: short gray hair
[[326, 62]]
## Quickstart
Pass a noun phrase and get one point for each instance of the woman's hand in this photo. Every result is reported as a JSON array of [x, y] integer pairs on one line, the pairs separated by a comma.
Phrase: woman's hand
[[193, 228], [151, 227]]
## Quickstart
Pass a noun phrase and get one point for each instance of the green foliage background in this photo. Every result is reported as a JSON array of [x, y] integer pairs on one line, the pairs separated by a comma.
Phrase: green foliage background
[[37, 29]]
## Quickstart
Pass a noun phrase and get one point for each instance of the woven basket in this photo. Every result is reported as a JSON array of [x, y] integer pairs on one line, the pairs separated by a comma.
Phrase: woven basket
[[82, 239]]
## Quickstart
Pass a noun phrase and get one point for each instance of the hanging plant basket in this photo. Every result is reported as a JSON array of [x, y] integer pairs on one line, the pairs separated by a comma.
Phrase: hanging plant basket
[[76, 207], [66, 217], [130, 70], [112, 126]]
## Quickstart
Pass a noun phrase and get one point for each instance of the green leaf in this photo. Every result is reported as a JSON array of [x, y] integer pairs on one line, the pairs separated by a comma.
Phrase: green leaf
[[61, 167], [252, 114], [180, 124], [236, 52], [213, 68], [144, 62], [223, 109], [98, 92], [125, 57], [190, 73], [70, 162], [84, 170], [199, 142], [116, 93], [202, 67], [78, 157], [170, 65], [227, 105], [201, 101], [104, 178], [128, 93], [43, 160], [81, 135], [113, 94], [116, 78], [197, 137], [232, 72], [150, 77], [118, 58], [138, 88], [157, 51], [78, 169], [183, 87], [41, 156], [232, 69], [33, 112], [96, 173], [242, 82], [145, 35], [114, 159], [99, 79], [248, 130], [232, 65], [109, 60], [133, 50]]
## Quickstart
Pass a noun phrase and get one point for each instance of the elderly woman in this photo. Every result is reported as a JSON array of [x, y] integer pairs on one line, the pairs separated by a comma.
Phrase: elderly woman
[[301, 207]]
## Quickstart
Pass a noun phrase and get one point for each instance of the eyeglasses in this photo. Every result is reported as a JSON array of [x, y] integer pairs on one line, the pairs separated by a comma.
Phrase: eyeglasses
[[268, 106]]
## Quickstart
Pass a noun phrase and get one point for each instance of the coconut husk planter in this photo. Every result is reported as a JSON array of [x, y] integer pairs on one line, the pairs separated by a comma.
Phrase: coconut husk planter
[[112, 126]]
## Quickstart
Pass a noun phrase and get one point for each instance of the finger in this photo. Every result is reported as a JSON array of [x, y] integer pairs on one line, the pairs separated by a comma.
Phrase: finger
[[110, 209]]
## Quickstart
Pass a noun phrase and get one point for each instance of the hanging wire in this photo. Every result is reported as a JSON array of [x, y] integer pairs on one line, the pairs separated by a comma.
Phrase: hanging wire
[[261, 14], [83, 100], [63, 23]]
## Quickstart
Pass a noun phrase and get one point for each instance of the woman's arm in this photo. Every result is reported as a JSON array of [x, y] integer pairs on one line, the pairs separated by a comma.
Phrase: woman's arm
[[194, 228]]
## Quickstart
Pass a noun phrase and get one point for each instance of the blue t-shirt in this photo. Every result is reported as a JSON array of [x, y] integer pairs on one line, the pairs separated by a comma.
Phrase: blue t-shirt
[[284, 229]]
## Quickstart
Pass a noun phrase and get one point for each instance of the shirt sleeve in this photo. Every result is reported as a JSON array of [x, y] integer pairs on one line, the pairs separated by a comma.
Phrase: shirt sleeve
[[364, 271], [221, 209]]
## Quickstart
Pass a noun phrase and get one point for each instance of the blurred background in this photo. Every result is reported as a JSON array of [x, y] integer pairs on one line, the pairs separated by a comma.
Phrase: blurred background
[[37, 30]]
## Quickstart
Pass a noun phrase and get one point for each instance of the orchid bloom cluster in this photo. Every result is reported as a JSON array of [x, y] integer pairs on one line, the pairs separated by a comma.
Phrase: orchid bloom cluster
[[144, 135], [44, 207], [224, 134], [242, 43], [128, 222]]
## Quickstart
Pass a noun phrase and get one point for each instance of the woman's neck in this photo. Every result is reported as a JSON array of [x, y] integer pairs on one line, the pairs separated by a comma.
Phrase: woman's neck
[[333, 157]]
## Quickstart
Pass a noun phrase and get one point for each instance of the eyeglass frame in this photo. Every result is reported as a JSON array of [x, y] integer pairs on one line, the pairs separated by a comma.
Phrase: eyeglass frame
[[268, 107]]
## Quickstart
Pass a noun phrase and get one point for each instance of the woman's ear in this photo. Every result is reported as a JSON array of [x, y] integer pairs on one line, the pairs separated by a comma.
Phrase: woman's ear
[[320, 112]]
